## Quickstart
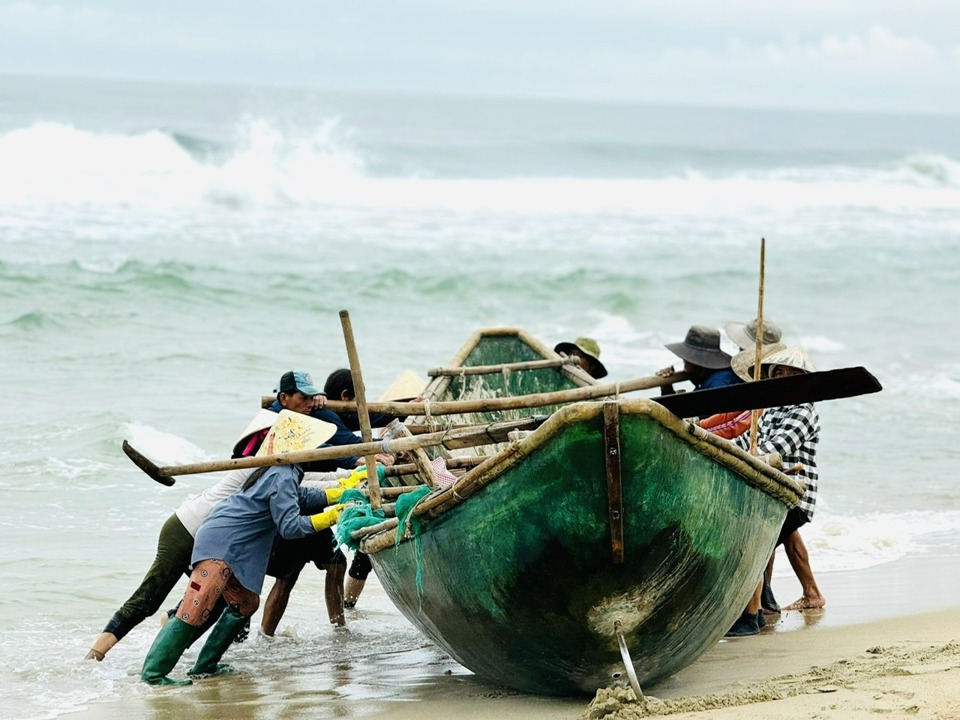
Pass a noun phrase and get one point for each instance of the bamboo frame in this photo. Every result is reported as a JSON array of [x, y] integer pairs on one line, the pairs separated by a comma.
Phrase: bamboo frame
[[752, 470]]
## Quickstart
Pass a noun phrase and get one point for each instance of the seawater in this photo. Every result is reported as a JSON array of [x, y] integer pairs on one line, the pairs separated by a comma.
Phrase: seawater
[[167, 251]]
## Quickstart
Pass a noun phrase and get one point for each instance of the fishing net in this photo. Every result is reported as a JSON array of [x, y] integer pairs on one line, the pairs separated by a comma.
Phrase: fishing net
[[405, 505], [359, 514]]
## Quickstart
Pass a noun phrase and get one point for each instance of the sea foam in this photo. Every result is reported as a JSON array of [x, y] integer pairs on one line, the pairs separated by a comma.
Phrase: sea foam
[[54, 164]]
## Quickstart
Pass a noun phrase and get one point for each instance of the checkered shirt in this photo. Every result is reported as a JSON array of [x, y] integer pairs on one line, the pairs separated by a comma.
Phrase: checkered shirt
[[793, 431]]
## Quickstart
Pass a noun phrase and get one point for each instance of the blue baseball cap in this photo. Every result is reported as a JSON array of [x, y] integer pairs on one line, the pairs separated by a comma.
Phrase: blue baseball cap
[[297, 381]]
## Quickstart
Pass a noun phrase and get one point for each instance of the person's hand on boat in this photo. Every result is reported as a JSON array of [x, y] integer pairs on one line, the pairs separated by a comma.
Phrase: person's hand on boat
[[319, 402], [384, 459], [359, 475], [323, 520], [665, 372]]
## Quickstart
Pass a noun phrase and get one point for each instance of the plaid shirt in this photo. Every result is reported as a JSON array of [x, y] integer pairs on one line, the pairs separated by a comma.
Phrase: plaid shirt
[[793, 431]]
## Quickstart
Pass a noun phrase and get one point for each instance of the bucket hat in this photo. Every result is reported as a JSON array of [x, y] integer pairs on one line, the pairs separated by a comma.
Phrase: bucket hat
[[587, 347], [745, 334], [701, 347]]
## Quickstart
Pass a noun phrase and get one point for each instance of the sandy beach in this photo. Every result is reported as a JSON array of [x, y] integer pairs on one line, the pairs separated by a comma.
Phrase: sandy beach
[[863, 656]]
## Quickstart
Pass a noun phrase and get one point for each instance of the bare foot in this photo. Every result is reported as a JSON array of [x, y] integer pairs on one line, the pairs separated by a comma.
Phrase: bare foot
[[807, 603]]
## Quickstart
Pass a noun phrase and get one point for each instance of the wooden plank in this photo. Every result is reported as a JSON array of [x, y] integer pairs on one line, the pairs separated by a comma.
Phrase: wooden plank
[[611, 440]]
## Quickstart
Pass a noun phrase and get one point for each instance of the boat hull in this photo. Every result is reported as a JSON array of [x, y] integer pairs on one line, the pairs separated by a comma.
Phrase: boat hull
[[519, 582]]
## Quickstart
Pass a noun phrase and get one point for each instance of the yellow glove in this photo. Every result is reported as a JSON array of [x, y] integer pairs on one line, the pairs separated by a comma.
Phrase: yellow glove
[[347, 483], [323, 520]]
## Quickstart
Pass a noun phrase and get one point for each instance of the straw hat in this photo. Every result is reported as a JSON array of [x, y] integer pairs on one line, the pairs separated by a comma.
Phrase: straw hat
[[701, 347], [743, 362], [407, 386], [588, 348], [745, 334], [793, 356], [261, 421], [294, 431]]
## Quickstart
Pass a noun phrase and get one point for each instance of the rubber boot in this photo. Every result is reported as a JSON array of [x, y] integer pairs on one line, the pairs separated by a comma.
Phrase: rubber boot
[[745, 625], [101, 646], [222, 634], [172, 640]]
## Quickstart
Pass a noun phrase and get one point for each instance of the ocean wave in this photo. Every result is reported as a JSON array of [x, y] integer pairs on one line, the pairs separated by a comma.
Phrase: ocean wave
[[162, 447], [33, 320], [937, 169], [844, 543], [266, 166]]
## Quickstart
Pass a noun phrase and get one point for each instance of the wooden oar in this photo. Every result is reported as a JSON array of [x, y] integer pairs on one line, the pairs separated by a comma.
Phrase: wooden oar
[[776, 392], [451, 439], [514, 402], [366, 434]]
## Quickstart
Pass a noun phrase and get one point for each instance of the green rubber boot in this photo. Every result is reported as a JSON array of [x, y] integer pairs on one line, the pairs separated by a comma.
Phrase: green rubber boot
[[222, 634], [172, 640]]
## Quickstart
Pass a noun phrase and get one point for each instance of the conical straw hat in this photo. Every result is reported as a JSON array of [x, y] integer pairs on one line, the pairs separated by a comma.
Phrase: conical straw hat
[[743, 362], [261, 421], [793, 356], [407, 386], [294, 431]]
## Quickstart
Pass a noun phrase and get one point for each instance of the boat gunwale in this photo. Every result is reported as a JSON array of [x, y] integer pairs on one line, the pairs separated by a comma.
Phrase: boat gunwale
[[749, 468], [440, 384]]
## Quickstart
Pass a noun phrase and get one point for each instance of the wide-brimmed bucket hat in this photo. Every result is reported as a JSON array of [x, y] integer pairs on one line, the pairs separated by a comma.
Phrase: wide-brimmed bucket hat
[[293, 431], [589, 348], [743, 362], [745, 334], [701, 347]]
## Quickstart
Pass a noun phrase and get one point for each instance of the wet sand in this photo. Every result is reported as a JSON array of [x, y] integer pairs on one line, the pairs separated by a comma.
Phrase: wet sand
[[887, 643]]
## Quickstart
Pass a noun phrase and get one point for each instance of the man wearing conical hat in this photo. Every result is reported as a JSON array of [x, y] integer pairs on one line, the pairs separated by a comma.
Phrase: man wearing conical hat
[[232, 549], [291, 556], [176, 540], [793, 432]]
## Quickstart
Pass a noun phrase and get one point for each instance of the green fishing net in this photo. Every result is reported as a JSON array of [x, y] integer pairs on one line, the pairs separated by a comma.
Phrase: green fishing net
[[405, 505], [358, 514]]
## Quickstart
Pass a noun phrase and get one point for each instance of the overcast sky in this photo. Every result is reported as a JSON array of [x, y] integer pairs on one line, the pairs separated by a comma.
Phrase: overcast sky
[[830, 54]]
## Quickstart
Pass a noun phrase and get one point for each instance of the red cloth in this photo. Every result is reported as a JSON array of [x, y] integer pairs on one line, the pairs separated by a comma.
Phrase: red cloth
[[727, 425]]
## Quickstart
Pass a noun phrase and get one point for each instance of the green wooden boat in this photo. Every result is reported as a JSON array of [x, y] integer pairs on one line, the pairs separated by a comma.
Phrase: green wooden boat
[[615, 530]]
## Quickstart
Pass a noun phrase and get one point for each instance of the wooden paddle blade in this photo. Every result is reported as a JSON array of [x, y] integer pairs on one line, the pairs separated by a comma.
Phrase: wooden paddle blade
[[792, 390], [141, 461]]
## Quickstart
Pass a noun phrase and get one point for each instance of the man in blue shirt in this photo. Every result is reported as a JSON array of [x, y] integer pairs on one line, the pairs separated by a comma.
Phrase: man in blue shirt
[[232, 548], [704, 362]]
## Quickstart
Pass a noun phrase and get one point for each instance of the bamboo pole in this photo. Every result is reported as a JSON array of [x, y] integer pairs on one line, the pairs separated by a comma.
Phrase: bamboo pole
[[455, 463], [366, 434], [757, 369], [515, 402], [493, 369], [464, 437]]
